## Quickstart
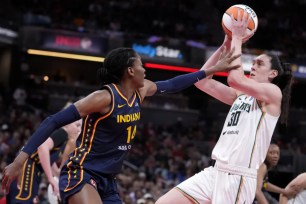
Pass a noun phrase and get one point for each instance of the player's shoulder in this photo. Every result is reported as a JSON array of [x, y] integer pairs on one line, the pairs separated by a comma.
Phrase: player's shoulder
[[101, 94], [263, 167]]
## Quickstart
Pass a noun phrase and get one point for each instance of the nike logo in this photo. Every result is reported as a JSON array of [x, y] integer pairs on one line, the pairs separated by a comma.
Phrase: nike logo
[[162, 91], [120, 106], [224, 132]]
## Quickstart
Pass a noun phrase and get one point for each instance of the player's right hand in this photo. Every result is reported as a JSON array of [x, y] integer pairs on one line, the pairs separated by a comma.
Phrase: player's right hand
[[10, 173], [225, 60]]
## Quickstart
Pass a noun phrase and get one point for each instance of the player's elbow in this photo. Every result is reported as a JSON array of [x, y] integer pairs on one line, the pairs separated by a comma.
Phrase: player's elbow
[[42, 149]]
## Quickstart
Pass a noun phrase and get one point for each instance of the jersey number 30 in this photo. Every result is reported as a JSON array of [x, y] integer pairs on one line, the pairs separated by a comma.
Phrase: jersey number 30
[[234, 119]]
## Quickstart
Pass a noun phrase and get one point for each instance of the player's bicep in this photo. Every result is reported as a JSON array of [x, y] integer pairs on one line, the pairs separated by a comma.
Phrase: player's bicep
[[266, 92], [48, 144], [98, 101]]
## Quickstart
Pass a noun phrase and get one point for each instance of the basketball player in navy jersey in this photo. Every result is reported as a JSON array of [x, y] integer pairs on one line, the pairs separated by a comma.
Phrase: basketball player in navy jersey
[[25, 190], [111, 115], [256, 105]]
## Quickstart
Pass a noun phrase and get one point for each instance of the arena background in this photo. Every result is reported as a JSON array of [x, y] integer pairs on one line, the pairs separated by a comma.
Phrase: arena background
[[178, 131]]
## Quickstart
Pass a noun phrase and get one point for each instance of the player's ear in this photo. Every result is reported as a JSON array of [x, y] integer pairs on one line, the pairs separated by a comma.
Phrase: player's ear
[[130, 71], [273, 73]]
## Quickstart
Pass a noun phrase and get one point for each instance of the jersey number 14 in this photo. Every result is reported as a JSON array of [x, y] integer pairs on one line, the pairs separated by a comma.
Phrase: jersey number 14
[[131, 132]]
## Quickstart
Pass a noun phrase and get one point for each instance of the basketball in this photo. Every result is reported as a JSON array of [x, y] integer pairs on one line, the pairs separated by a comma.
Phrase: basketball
[[226, 19]]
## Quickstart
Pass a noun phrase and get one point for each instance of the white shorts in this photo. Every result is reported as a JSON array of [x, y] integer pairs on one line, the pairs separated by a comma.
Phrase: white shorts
[[217, 185], [299, 198]]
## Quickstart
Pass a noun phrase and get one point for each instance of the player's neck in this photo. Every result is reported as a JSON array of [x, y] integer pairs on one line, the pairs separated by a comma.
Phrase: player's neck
[[126, 90]]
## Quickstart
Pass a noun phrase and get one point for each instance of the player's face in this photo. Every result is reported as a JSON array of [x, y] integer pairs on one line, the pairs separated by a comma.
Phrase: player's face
[[139, 72], [273, 155], [261, 70]]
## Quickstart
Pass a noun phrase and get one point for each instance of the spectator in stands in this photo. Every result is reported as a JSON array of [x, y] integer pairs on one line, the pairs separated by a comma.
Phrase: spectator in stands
[[20, 96], [263, 184]]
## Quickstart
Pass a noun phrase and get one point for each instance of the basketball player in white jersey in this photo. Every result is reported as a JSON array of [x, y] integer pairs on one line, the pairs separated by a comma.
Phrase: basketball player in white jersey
[[298, 183], [256, 104]]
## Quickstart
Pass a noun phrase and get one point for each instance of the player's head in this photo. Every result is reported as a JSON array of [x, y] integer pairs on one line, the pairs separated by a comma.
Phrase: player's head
[[117, 64], [273, 155], [269, 68]]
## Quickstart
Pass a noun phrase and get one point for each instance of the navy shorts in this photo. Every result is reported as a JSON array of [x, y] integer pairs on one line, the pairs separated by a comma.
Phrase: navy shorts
[[73, 179], [29, 185]]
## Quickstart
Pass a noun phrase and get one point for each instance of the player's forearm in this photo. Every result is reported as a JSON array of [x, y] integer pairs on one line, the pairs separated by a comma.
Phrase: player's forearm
[[180, 82], [44, 157], [21, 159], [260, 197], [236, 75], [55, 170], [275, 189], [283, 199], [213, 59], [50, 124]]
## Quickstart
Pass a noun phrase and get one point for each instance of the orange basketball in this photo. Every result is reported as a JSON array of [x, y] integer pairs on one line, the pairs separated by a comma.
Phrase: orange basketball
[[226, 19]]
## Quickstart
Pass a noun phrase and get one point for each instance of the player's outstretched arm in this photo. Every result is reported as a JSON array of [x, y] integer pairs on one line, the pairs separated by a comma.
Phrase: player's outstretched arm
[[181, 82], [213, 87], [44, 157], [98, 101]]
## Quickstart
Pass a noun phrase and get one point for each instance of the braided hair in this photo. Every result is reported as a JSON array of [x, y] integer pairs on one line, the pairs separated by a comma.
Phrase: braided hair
[[284, 81], [115, 64]]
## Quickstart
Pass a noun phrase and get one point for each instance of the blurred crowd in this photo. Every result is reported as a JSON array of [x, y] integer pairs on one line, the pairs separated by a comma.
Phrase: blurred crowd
[[280, 28]]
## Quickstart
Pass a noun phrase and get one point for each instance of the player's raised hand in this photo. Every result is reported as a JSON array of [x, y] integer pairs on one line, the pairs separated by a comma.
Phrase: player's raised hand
[[225, 61], [240, 25]]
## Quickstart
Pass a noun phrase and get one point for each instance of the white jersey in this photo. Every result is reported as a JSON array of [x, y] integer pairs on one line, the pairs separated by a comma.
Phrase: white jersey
[[246, 134], [300, 198]]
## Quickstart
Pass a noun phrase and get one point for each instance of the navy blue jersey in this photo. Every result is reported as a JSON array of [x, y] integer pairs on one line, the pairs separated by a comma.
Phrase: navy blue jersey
[[31, 171], [106, 139]]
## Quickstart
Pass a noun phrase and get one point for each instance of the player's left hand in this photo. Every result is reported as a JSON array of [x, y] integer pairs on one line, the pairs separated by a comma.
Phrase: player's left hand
[[239, 26]]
